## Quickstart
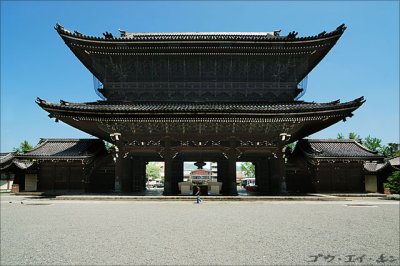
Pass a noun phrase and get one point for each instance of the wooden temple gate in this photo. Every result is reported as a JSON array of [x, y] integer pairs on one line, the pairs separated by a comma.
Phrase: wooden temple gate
[[221, 97]]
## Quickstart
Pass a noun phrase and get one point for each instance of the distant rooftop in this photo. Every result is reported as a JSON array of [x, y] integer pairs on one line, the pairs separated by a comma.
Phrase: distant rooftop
[[336, 148], [65, 148]]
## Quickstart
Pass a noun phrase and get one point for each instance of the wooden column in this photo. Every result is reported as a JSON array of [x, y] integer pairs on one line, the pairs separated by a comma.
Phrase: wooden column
[[138, 174], [168, 187], [177, 168], [262, 176], [229, 178], [126, 174], [123, 178], [223, 175], [278, 179], [170, 181], [283, 187], [275, 174], [282, 171], [118, 172], [145, 175]]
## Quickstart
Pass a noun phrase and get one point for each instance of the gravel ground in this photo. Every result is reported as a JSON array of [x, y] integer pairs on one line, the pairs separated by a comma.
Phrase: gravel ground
[[54, 232]]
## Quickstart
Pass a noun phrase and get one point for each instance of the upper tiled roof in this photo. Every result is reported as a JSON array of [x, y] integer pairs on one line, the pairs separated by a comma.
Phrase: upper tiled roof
[[200, 36], [65, 148], [145, 107], [336, 148]]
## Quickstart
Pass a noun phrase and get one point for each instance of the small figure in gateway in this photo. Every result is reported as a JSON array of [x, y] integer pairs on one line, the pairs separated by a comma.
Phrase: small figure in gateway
[[198, 193]]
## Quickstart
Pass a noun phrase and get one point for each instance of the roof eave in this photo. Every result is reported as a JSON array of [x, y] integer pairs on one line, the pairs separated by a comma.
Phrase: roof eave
[[360, 158], [204, 37]]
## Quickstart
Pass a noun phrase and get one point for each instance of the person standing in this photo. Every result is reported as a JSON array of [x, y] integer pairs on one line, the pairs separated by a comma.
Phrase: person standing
[[198, 193]]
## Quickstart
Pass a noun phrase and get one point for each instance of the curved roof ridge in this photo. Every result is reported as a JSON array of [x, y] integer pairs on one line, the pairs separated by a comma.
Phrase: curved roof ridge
[[23, 165], [64, 148], [331, 140], [337, 148], [304, 142], [69, 139], [40, 144], [6, 156], [292, 36], [364, 147], [154, 107], [163, 103]]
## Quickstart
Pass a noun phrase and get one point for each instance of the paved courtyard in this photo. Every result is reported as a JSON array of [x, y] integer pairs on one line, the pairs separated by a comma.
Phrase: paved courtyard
[[57, 232]]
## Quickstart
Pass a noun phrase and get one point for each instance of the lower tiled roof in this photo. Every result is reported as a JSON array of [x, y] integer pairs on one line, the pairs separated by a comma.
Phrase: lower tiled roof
[[169, 107], [395, 162], [9, 160], [336, 148], [6, 157], [374, 167], [65, 148]]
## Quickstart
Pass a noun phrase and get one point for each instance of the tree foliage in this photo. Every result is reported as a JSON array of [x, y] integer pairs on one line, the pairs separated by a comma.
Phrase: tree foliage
[[23, 147], [393, 182], [392, 150], [249, 169], [353, 135], [109, 147], [291, 146], [152, 171], [375, 144]]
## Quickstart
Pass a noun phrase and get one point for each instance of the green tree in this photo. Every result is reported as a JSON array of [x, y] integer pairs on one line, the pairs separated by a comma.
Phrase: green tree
[[353, 135], [249, 169], [291, 146], [109, 146], [374, 144], [392, 150], [152, 171], [23, 147], [393, 182]]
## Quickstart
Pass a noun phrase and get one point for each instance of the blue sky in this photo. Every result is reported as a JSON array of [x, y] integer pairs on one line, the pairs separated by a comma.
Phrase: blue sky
[[36, 63]]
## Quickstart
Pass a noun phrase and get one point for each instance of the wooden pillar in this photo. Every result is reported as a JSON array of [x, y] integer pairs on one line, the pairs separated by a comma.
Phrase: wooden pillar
[[232, 186], [262, 176], [223, 175], [275, 174], [118, 172], [278, 179], [168, 174], [126, 174], [145, 174], [170, 181], [138, 174], [123, 166], [229, 186], [177, 168], [282, 171]]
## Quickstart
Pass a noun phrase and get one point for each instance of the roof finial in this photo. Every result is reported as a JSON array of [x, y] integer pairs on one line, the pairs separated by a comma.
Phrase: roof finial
[[58, 27], [341, 27], [123, 32], [108, 35], [292, 35]]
